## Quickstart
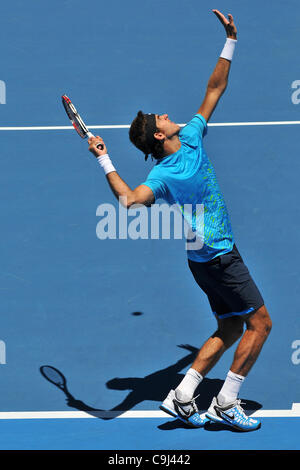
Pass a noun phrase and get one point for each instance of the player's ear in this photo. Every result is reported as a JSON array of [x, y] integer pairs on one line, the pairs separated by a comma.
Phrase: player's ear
[[159, 136]]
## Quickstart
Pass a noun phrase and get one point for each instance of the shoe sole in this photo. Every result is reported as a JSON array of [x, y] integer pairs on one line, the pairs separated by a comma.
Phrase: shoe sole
[[169, 411], [223, 421], [175, 415]]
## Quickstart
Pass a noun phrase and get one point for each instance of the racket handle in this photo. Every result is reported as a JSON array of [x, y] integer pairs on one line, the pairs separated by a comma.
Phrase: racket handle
[[99, 146]]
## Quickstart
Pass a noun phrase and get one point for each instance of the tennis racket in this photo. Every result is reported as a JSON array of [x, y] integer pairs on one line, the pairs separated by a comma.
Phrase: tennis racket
[[55, 377], [76, 120]]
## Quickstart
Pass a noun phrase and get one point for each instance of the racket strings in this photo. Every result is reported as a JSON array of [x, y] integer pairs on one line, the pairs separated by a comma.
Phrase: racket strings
[[53, 375]]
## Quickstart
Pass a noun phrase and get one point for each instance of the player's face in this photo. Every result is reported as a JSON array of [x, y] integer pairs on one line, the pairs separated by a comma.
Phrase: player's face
[[166, 126]]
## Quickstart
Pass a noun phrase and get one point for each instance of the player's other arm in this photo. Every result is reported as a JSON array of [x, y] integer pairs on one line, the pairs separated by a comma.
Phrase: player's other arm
[[127, 196], [140, 195], [218, 80]]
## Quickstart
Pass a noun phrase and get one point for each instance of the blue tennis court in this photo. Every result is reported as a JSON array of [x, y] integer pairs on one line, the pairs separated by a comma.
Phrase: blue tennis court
[[108, 313]]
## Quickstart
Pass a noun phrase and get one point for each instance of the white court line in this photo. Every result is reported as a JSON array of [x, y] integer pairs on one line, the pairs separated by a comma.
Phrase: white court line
[[126, 126], [293, 413]]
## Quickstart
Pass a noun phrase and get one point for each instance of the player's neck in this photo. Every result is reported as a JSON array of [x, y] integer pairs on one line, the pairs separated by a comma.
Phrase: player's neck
[[172, 145]]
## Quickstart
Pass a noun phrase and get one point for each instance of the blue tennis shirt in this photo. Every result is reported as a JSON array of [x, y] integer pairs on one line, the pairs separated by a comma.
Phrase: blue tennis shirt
[[187, 178]]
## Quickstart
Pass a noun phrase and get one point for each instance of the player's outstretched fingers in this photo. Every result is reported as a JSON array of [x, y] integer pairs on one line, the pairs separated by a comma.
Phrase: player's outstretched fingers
[[228, 24], [221, 17]]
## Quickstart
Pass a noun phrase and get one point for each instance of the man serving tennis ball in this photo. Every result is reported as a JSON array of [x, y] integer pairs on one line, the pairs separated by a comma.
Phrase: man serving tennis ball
[[183, 174]]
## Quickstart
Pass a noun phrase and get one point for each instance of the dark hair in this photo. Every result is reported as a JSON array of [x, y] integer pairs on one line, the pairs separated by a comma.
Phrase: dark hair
[[138, 136]]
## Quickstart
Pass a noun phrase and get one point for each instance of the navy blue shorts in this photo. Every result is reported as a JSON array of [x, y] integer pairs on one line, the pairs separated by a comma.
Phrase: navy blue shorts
[[228, 285]]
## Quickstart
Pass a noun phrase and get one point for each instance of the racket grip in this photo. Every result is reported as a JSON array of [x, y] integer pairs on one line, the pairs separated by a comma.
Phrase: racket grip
[[99, 146]]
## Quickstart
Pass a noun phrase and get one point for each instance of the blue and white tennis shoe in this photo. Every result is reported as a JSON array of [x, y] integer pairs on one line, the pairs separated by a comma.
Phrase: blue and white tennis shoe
[[185, 411], [233, 415]]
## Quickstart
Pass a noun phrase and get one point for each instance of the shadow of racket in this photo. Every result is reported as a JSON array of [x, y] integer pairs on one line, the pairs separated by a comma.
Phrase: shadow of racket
[[55, 377]]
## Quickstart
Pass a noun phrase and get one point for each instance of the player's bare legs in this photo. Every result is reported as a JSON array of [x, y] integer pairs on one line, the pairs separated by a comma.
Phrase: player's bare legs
[[258, 328], [226, 407], [228, 332]]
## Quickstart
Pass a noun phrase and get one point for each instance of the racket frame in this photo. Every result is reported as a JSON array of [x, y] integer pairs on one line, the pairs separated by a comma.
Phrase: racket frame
[[75, 118], [63, 386]]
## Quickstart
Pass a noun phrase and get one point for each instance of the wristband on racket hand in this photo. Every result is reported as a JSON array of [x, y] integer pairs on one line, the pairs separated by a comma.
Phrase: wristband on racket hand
[[106, 163], [228, 50]]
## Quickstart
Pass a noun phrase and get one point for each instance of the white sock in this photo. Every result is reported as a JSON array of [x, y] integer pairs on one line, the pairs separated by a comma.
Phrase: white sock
[[231, 387], [186, 389]]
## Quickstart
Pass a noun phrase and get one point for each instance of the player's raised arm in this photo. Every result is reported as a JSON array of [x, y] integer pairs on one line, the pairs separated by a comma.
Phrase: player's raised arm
[[140, 195], [219, 78]]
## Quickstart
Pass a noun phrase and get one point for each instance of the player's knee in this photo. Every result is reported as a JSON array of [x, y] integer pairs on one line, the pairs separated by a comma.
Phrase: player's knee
[[268, 326], [260, 322]]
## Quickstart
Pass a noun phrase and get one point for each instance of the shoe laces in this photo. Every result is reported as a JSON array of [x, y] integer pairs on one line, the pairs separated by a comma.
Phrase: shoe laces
[[241, 409], [192, 404]]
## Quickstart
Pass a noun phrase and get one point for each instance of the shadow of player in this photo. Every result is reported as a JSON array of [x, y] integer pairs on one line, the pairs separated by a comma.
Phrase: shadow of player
[[155, 387]]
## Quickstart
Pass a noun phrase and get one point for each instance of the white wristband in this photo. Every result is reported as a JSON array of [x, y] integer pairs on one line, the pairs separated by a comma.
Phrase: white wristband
[[228, 50], [106, 163]]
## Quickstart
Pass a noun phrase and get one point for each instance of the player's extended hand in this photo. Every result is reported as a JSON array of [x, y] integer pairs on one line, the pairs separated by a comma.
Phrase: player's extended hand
[[93, 142], [228, 24]]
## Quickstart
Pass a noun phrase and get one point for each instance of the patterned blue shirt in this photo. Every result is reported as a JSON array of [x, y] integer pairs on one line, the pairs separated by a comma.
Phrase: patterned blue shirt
[[187, 178]]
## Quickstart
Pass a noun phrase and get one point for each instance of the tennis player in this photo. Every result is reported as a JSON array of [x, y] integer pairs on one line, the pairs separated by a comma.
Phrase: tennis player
[[183, 174]]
